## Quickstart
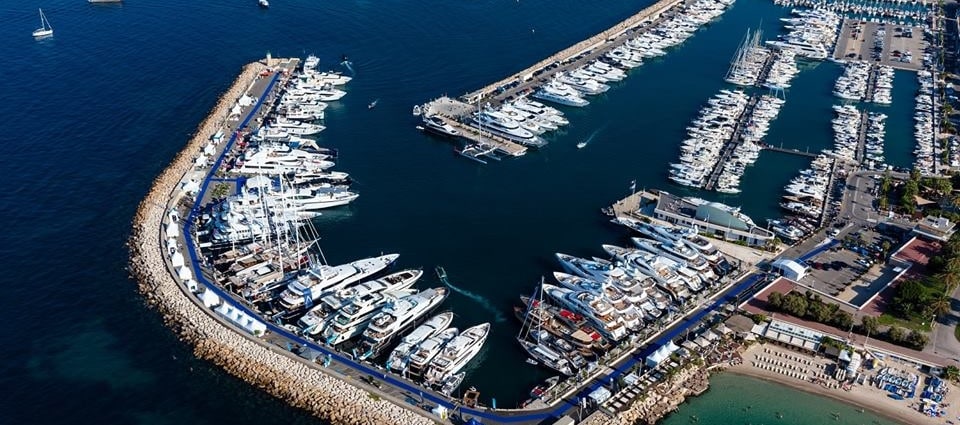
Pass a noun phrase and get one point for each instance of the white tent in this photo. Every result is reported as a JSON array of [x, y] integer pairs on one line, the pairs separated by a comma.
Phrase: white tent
[[236, 110], [245, 101], [661, 354], [600, 395], [790, 269], [177, 259], [191, 285], [209, 149], [191, 186], [184, 273], [209, 299], [172, 230], [201, 161]]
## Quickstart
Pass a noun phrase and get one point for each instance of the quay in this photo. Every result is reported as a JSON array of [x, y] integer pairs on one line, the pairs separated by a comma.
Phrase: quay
[[731, 145], [450, 111], [575, 55], [765, 69]]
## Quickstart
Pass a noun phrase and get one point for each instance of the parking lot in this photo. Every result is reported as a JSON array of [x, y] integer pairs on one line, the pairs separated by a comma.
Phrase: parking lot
[[899, 46], [848, 272]]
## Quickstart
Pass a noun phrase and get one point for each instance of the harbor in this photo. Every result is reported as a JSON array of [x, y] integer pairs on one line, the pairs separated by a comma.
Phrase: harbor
[[435, 278]]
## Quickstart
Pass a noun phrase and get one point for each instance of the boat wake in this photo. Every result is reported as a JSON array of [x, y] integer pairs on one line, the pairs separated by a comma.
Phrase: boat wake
[[480, 299], [349, 65], [589, 138]]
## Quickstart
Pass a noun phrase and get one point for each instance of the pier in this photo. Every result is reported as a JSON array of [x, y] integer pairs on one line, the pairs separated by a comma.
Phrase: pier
[[790, 151], [767, 65], [862, 135], [731, 145], [448, 109]]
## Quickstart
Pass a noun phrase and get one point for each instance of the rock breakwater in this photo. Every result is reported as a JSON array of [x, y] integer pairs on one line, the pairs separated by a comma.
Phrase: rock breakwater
[[279, 373]]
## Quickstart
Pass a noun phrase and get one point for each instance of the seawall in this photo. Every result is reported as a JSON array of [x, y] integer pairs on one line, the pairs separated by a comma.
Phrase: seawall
[[276, 372]]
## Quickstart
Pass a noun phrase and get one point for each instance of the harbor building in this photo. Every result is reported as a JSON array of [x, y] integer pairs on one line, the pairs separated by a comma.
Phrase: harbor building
[[716, 219]]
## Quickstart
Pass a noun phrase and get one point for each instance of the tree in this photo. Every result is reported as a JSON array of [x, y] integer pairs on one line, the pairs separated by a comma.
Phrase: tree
[[916, 339], [842, 319], [895, 334], [870, 324], [795, 304], [910, 295], [940, 305], [943, 186], [775, 300], [952, 373]]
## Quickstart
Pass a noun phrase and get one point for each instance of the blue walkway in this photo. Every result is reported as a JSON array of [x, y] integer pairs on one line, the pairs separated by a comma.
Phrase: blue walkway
[[557, 411]]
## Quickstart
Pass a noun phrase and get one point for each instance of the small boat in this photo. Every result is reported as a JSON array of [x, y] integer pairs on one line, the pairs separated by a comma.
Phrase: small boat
[[373, 104], [582, 144], [264, 4], [45, 29], [532, 362]]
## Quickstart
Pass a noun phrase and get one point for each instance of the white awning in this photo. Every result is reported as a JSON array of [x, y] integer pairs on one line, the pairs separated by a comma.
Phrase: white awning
[[184, 273], [177, 259], [172, 230]]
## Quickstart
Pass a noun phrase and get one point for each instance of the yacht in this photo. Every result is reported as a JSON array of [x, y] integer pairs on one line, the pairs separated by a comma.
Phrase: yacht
[[438, 125], [400, 357], [547, 356], [497, 123], [456, 354], [396, 318], [314, 321], [354, 317], [560, 93], [425, 352], [313, 283], [595, 309]]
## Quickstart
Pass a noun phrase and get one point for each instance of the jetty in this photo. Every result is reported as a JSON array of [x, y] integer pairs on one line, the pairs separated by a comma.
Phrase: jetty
[[790, 151], [731, 144]]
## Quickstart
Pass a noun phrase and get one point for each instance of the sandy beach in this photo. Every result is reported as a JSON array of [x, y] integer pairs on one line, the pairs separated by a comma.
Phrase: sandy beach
[[864, 396]]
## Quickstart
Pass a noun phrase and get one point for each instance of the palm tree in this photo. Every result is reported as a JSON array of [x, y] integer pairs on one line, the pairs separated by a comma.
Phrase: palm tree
[[940, 305], [951, 373]]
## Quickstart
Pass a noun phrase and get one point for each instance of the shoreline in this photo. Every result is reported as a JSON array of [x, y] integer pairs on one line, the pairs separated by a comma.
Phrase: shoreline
[[862, 396], [319, 392], [811, 389]]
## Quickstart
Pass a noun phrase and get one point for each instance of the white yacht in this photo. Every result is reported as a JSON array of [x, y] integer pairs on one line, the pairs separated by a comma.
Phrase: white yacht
[[425, 352], [397, 317], [560, 93], [595, 309], [547, 356], [456, 354], [438, 125], [498, 123], [400, 357], [314, 321], [354, 317], [314, 283]]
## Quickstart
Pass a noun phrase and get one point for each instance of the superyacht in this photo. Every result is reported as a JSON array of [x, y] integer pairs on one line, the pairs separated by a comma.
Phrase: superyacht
[[396, 318], [400, 357]]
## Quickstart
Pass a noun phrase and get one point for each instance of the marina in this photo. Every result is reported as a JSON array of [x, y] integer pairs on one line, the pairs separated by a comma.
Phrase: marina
[[361, 326]]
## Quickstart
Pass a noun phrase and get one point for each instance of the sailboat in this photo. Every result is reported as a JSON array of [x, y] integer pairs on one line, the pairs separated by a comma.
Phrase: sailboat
[[45, 29]]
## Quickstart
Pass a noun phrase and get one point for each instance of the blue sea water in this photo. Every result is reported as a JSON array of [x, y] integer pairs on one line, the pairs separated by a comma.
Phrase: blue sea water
[[94, 113]]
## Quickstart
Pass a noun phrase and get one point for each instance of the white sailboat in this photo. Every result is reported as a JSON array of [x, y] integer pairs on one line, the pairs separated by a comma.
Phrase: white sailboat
[[45, 29]]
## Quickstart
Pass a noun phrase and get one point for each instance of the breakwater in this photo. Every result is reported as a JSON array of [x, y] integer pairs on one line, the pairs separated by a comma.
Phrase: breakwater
[[659, 400], [282, 375]]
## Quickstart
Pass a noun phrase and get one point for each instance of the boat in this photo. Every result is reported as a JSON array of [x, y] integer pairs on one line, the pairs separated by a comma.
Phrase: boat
[[313, 283], [540, 390], [547, 357], [437, 125], [314, 321], [373, 104], [400, 356], [264, 4], [45, 29], [424, 353], [396, 318], [354, 317], [582, 144], [444, 370]]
